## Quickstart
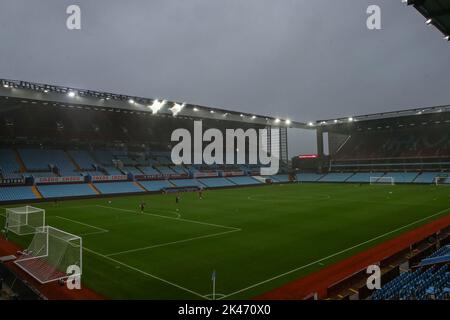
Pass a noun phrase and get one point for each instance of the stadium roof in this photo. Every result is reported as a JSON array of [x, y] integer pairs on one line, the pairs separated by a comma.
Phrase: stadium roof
[[436, 12], [438, 113], [65, 96]]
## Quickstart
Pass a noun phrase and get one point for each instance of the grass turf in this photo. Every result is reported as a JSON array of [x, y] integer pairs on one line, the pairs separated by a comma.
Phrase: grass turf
[[255, 238]]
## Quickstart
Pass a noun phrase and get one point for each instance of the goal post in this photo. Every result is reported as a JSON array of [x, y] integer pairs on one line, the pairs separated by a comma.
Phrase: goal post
[[440, 180], [382, 180], [24, 220], [52, 255]]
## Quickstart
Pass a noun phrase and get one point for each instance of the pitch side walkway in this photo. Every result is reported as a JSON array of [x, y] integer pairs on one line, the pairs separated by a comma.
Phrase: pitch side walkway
[[319, 281], [52, 291]]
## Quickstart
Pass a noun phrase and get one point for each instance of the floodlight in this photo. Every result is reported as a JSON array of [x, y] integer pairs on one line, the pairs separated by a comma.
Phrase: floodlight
[[288, 121], [157, 105], [71, 94], [177, 108]]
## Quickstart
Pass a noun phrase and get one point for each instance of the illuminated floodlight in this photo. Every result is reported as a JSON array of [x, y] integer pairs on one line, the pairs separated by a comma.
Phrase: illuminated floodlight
[[335, 121], [131, 101], [241, 115], [157, 105], [211, 111], [177, 108], [350, 119], [310, 124], [288, 121], [71, 94], [253, 117], [277, 120], [45, 91], [195, 109]]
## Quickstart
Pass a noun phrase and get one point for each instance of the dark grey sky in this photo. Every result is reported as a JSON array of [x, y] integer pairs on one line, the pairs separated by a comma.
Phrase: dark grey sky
[[302, 59]]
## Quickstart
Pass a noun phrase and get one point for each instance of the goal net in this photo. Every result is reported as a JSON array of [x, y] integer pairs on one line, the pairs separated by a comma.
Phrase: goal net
[[440, 180], [24, 220], [382, 180], [52, 255]]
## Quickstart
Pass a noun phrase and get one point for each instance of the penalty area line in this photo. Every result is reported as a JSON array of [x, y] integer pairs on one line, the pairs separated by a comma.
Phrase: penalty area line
[[146, 273], [334, 254], [170, 218], [172, 243]]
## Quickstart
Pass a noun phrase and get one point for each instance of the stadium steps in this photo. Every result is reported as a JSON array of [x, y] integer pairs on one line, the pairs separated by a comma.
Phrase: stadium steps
[[91, 185], [72, 160], [20, 161], [137, 184], [36, 192], [234, 183], [260, 178]]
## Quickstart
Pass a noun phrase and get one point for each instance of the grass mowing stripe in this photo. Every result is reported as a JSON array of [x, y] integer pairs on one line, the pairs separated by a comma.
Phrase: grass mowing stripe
[[146, 273], [335, 254], [173, 242]]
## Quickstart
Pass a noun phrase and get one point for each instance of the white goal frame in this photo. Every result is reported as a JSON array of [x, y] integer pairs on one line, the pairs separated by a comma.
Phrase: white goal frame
[[24, 220], [382, 180], [436, 181], [25, 262]]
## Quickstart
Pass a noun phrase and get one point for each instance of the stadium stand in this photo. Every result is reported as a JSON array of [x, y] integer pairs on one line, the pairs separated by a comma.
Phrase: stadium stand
[[431, 280], [402, 177], [280, 178], [179, 169], [16, 193], [66, 190], [103, 156], [83, 159], [422, 284], [117, 187], [8, 163], [440, 256], [186, 183], [45, 159], [165, 170], [336, 177], [150, 171], [308, 177], [156, 185], [132, 170], [427, 177], [364, 177], [113, 171], [216, 182], [243, 181]]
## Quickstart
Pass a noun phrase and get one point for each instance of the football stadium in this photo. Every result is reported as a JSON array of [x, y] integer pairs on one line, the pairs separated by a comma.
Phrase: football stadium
[[94, 206]]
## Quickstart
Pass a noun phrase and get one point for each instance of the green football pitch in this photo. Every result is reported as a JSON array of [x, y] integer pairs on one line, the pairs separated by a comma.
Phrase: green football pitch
[[256, 239]]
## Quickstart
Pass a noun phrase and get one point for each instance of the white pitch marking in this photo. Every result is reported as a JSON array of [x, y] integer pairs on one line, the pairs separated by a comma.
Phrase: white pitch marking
[[82, 223], [333, 255], [171, 218], [146, 273], [171, 243]]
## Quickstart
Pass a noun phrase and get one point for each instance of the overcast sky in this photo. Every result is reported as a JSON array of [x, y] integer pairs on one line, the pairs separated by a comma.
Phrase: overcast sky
[[301, 59]]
